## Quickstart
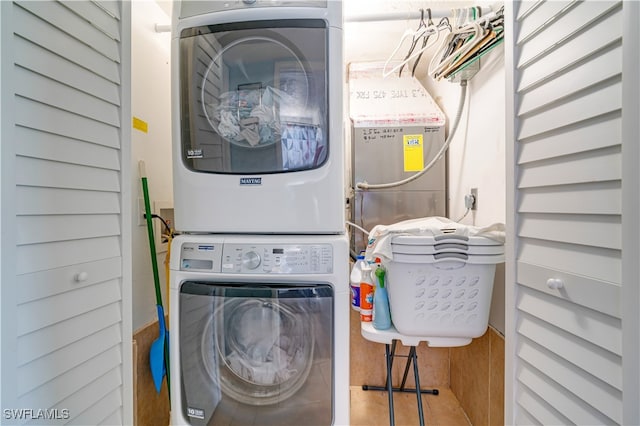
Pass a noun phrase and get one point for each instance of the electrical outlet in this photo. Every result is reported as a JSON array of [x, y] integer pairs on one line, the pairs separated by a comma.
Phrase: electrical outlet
[[474, 193], [142, 221]]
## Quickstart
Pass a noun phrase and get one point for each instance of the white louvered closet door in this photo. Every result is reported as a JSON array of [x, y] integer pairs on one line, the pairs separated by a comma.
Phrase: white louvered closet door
[[66, 126], [565, 306]]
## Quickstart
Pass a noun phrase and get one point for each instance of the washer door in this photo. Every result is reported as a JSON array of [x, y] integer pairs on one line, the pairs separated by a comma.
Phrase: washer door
[[265, 347], [256, 353]]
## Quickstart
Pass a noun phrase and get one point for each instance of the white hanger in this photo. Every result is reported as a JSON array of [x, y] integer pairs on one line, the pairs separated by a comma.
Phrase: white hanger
[[461, 59], [407, 33], [426, 31], [481, 37], [438, 62]]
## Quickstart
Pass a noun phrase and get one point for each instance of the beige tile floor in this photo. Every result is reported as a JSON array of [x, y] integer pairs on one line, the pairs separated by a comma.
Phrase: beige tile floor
[[371, 408]]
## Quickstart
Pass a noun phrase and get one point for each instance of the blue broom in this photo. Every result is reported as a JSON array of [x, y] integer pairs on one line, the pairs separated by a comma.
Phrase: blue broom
[[159, 353]]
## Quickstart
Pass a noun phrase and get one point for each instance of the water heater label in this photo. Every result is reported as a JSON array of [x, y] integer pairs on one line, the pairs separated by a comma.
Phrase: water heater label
[[413, 146]]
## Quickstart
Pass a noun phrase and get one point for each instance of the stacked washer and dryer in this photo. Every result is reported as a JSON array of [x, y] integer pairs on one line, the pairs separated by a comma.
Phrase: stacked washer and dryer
[[259, 301]]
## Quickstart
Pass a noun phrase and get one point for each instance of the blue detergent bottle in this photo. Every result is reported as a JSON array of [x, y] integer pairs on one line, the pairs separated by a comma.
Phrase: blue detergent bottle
[[381, 312], [355, 278]]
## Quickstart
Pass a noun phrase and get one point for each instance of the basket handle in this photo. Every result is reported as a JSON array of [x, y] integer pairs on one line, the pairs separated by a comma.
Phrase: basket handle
[[451, 237], [441, 256], [444, 246]]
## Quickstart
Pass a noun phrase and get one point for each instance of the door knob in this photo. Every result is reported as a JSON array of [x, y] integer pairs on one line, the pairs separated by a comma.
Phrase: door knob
[[80, 277], [555, 283]]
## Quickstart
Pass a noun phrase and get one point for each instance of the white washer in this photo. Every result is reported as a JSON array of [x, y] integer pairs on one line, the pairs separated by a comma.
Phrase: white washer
[[257, 117], [259, 330]]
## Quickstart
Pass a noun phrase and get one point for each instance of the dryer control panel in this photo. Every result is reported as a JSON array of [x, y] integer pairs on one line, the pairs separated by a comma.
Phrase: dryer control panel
[[233, 258]]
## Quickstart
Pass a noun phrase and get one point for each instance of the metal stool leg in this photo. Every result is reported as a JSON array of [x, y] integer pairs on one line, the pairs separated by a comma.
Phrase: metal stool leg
[[406, 368], [411, 357], [389, 357], [417, 379]]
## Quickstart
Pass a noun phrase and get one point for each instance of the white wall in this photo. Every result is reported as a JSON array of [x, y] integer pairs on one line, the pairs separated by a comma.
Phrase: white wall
[[151, 102], [476, 155]]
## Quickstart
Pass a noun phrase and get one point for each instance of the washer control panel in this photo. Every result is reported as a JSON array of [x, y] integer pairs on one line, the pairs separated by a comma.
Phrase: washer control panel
[[257, 258], [277, 259]]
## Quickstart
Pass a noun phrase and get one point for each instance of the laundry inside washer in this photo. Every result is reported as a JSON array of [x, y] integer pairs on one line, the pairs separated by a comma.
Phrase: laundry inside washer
[[252, 352]]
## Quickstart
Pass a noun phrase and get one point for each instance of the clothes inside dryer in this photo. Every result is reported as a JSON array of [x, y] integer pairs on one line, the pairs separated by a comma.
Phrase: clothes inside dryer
[[253, 96], [255, 352], [265, 349]]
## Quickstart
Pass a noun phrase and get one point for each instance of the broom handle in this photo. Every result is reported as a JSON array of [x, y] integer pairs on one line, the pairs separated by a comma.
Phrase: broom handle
[[152, 243]]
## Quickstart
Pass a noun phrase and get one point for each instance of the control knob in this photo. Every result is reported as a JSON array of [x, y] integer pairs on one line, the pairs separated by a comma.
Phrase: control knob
[[251, 260]]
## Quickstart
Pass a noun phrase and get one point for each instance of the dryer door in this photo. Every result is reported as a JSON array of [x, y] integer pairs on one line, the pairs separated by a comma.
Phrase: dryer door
[[253, 96], [256, 353]]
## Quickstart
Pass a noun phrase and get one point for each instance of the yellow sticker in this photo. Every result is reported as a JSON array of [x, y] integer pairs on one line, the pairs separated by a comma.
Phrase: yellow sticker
[[140, 124], [413, 153]]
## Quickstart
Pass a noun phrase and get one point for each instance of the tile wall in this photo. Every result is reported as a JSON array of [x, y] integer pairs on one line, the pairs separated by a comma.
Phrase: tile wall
[[477, 378], [474, 373], [150, 408]]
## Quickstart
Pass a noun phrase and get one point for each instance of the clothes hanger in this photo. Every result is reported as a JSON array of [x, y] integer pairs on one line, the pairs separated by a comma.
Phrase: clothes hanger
[[492, 43], [468, 39], [457, 44], [494, 35], [427, 31], [455, 65], [408, 33], [446, 47], [473, 44], [425, 39], [433, 30], [414, 43]]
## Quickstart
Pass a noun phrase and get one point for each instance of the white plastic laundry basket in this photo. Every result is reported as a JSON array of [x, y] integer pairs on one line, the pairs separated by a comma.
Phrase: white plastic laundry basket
[[441, 286]]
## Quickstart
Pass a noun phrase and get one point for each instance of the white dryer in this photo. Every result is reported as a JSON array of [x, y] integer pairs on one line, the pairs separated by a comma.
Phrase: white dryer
[[259, 330], [257, 117]]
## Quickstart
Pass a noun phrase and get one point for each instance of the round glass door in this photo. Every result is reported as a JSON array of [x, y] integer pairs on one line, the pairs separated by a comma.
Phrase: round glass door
[[254, 96], [252, 115], [265, 348], [257, 350]]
